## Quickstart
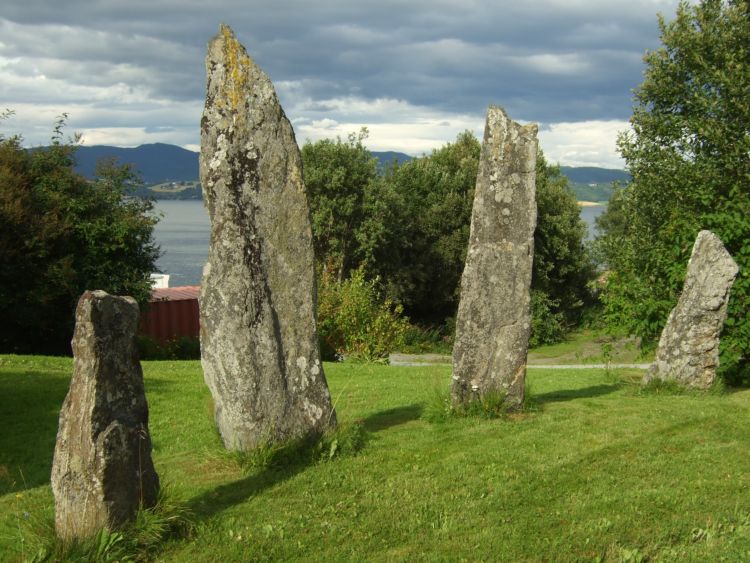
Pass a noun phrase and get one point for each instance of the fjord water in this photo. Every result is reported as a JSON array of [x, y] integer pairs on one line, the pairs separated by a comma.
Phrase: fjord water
[[183, 232]]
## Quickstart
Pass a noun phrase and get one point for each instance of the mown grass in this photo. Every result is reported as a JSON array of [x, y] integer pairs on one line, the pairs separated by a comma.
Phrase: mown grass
[[589, 346], [597, 470]]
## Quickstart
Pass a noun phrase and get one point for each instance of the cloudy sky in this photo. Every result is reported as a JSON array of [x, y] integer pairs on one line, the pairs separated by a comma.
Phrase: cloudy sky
[[415, 73]]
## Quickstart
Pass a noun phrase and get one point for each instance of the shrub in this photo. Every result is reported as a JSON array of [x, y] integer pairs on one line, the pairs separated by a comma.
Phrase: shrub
[[354, 321], [547, 321], [178, 348]]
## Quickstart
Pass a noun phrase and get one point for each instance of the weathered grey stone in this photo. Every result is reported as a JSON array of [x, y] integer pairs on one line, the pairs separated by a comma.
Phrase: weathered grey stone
[[102, 469], [688, 350], [493, 323], [259, 345]]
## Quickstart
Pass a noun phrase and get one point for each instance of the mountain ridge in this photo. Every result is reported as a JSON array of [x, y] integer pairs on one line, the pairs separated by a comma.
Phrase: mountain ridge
[[158, 163]]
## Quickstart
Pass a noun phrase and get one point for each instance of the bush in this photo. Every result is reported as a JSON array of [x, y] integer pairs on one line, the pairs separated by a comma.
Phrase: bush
[[354, 321], [547, 321], [60, 235], [430, 339], [178, 348]]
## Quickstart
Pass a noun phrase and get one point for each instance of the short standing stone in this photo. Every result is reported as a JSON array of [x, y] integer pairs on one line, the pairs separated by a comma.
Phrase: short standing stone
[[259, 345], [688, 350], [493, 323], [102, 469]]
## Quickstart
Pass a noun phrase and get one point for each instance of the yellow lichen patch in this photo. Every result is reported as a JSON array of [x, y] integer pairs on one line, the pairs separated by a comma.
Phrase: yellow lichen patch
[[237, 64]]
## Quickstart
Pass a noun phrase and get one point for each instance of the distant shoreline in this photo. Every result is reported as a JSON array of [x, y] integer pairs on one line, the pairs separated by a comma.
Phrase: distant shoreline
[[591, 204]]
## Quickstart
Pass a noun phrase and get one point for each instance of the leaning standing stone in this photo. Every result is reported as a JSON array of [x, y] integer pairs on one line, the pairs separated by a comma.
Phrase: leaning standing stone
[[688, 350], [102, 469], [259, 345], [493, 323]]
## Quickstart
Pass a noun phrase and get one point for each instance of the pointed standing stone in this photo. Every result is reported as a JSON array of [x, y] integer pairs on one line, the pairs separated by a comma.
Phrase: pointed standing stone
[[102, 469], [688, 350], [259, 346], [493, 321]]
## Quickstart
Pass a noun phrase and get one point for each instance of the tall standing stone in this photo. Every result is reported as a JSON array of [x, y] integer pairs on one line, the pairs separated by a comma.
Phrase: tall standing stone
[[688, 350], [493, 322], [102, 469], [259, 344]]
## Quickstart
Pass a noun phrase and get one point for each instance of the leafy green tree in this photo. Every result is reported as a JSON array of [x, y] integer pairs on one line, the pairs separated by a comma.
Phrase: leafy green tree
[[563, 266], [340, 176], [409, 227], [60, 235], [423, 256], [424, 264], [688, 156]]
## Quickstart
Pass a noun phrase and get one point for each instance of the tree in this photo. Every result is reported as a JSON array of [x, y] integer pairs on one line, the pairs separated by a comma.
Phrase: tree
[[562, 264], [60, 235], [688, 157], [409, 228], [339, 176], [428, 232]]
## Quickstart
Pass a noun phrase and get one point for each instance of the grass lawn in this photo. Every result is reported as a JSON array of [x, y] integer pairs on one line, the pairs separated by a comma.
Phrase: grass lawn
[[591, 347], [596, 470]]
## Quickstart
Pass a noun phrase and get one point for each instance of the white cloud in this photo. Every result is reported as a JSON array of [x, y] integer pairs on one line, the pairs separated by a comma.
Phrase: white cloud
[[400, 126], [393, 124], [585, 143]]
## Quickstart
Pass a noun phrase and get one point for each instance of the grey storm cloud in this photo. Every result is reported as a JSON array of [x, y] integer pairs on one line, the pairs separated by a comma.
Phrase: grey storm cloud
[[544, 60]]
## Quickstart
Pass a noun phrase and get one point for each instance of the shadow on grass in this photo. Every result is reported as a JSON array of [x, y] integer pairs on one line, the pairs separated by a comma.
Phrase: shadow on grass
[[30, 403], [226, 496], [572, 394], [231, 494], [392, 417]]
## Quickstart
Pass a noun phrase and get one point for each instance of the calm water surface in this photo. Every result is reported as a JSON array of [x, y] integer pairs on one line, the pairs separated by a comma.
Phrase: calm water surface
[[183, 234]]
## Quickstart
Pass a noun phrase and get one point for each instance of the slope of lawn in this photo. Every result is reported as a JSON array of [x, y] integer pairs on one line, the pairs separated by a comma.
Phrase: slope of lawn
[[596, 470]]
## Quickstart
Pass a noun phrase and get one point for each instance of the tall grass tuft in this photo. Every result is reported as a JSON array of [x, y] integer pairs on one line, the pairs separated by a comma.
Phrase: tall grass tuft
[[493, 405], [140, 540], [660, 387], [346, 440]]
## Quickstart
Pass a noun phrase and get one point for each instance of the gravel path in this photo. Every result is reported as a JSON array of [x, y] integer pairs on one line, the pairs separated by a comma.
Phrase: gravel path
[[437, 359]]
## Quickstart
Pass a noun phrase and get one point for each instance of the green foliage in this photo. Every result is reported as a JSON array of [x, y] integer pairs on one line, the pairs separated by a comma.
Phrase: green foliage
[[439, 407], [410, 227], [563, 266], [672, 387], [429, 339], [179, 348], [354, 321], [61, 235], [687, 154], [339, 177], [423, 256], [547, 322]]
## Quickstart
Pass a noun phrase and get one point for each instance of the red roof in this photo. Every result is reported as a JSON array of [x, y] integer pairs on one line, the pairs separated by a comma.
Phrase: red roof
[[183, 293]]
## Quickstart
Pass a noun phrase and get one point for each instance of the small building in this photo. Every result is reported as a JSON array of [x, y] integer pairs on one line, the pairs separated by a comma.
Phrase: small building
[[160, 280], [172, 313]]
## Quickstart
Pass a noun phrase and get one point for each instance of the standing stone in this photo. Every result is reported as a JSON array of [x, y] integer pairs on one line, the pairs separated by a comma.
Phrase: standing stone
[[493, 322], [102, 469], [259, 345], [688, 350]]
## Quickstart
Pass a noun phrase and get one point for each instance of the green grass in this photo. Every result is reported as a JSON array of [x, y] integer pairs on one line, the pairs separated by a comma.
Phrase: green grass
[[596, 470], [590, 347]]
